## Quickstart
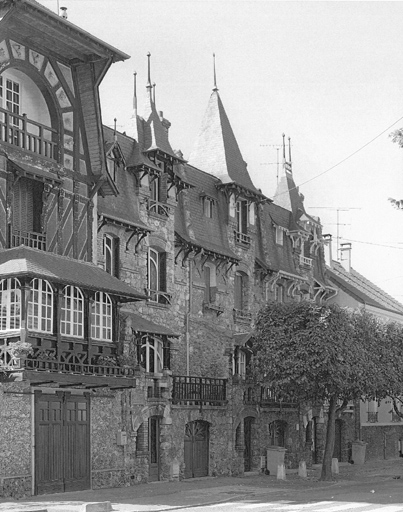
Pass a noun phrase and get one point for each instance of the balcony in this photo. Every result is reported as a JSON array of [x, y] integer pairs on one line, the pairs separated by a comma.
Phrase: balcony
[[29, 239], [242, 239], [159, 297], [67, 361], [28, 135], [199, 391], [268, 398], [242, 316], [304, 261], [156, 208]]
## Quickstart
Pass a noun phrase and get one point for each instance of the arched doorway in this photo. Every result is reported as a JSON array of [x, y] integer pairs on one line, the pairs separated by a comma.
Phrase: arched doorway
[[277, 430], [196, 449], [248, 452]]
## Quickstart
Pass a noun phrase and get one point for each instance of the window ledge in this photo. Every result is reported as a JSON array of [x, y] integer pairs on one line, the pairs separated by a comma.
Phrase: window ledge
[[208, 306]]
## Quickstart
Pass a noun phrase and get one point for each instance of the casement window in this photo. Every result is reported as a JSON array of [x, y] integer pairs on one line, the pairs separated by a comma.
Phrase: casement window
[[240, 291], [10, 304], [152, 354], [279, 236], [210, 289], [241, 364], [10, 97], [40, 306], [279, 293], [72, 312], [111, 248], [112, 165], [241, 213], [101, 317], [208, 207], [157, 276], [159, 195]]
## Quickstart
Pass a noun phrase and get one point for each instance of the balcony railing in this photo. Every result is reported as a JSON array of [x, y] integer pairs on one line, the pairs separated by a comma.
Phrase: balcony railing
[[28, 238], [372, 417], [27, 134], [199, 390], [160, 209], [303, 260], [268, 398], [241, 315], [70, 357], [242, 238], [158, 296]]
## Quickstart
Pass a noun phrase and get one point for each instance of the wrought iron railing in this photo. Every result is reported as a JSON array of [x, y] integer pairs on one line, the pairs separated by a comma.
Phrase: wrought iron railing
[[28, 238], [199, 390], [242, 238], [158, 208], [27, 134], [303, 260], [158, 296], [69, 357], [269, 398]]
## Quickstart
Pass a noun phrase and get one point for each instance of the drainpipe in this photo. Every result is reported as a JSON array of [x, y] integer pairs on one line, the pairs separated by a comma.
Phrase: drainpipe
[[188, 317]]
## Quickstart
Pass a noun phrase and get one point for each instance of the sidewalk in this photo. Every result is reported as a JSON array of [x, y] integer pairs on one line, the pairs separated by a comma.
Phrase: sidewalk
[[166, 496]]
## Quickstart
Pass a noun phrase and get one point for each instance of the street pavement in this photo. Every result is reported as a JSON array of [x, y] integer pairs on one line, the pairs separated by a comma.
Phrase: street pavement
[[373, 487]]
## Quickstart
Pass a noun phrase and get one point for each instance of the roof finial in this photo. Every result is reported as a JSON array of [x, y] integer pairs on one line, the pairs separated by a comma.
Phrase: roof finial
[[154, 84], [115, 136], [289, 149], [284, 147], [215, 88], [149, 86], [135, 92]]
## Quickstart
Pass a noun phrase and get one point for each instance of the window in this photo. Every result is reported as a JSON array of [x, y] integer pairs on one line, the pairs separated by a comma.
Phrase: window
[[242, 216], [111, 246], [101, 317], [208, 207], [279, 293], [240, 291], [27, 208], [10, 304], [157, 282], [210, 290], [152, 354], [10, 97], [40, 306], [241, 364], [112, 164], [72, 312], [159, 195], [279, 236]]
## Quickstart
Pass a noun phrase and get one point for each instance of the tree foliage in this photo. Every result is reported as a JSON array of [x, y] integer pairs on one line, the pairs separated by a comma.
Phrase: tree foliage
[[317, 354]]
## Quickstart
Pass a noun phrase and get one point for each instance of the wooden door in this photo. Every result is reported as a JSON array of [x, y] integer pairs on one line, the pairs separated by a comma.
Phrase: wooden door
[[154, 448], [62, 443], [247, 426], [196, 449]]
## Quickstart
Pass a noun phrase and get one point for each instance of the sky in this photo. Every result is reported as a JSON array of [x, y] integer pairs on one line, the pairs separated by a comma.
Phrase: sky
[[327, 74]]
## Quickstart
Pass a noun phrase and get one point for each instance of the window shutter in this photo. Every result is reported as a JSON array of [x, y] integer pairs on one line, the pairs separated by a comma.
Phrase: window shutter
[[116, 261], [163, 183], [163, 271]]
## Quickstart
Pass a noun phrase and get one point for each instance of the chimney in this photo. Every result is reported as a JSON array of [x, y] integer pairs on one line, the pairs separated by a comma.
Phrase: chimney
[[165, 123], [64, 12], [345, 256], [328, 250]]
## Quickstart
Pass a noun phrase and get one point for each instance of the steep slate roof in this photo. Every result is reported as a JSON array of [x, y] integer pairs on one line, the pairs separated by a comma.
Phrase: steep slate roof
[[216, 150], [27, 262], [362, 289], [190, 222], [125, 206]]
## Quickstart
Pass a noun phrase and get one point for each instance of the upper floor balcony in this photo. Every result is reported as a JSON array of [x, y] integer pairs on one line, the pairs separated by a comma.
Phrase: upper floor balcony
[[29, 239], [199, 391], [28, 135], [304, 261], [242, 238]]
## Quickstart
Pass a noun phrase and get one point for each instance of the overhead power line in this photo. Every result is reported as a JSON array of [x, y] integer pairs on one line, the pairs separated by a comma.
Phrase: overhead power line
[[349, 156]]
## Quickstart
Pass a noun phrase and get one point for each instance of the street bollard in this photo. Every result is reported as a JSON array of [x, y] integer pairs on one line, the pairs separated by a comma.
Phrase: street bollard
[[281, 472], [335, 466], [302, 469]]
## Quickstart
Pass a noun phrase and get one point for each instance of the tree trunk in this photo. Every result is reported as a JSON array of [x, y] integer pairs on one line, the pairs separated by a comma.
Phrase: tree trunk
[[329, 446]]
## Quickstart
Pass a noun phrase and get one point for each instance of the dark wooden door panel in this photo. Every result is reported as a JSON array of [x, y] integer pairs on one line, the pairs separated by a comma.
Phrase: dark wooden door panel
[[196, 449], [154, 448], [62, 449]]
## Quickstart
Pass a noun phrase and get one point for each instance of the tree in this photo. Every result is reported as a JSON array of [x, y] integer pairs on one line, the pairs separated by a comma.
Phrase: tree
[[397, 138], [317, 354]]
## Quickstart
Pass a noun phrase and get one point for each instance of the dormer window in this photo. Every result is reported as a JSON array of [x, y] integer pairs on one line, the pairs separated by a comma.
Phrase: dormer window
[[208, 207], [241, 217], [279, 236], [112, 164], [159, 195]]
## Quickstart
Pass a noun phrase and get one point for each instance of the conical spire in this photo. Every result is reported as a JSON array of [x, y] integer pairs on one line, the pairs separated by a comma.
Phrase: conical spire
[[215, 88], [216, 150], [132, 127], [287, 195]]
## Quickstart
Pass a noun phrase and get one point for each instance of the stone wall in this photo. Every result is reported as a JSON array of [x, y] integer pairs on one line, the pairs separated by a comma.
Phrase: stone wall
[[383, 442]]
